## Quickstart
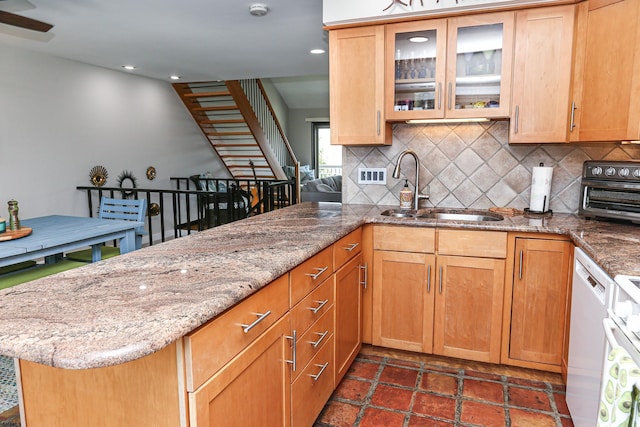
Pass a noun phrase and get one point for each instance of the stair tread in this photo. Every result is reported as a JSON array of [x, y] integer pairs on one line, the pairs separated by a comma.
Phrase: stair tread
[[206, 94], [222, 108], [227, 133], [221, 121]]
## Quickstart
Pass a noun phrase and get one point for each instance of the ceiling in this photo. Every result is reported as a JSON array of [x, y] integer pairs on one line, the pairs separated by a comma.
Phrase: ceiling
[[199, 40]]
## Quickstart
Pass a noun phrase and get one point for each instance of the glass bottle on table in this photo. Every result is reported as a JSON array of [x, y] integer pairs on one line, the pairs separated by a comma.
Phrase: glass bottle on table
[[14, 222]]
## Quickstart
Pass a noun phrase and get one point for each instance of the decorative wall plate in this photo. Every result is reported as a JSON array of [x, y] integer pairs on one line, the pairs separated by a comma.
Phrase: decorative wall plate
[[127, 182], [151, 173], [98, 176]]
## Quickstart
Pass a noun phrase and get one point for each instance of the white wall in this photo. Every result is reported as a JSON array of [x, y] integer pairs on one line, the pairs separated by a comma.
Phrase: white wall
[[60, 118]]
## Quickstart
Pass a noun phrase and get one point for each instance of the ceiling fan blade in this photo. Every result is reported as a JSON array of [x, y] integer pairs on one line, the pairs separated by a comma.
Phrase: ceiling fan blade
[[24, 22]]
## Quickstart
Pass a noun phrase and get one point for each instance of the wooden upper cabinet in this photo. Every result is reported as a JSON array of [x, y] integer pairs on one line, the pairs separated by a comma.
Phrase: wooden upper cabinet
[[542, 66], [449, 68], [356, 87], [607, 78]]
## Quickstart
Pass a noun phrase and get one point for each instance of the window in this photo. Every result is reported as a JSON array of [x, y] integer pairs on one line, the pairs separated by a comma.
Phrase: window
[[328, 158]]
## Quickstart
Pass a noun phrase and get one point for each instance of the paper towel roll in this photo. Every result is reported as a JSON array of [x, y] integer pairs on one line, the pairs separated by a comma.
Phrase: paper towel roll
[[540, 188]]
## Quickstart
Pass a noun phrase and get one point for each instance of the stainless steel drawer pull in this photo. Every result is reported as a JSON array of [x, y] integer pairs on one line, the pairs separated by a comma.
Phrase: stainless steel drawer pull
[[363, 282], [351, 247], [318, 274], [520, 273], [319, 307], [429, 278], [439, 95], [517, 119], [315, 344], [261, 317], [322, 368], [440, 279], [572, 125], [450, 95], [294, 338]]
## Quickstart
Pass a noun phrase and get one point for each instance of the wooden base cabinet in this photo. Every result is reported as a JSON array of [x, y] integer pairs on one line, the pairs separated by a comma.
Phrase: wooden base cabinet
[[253, 389], [448, 303], [146, 392], [468, 310], [403, 299], [348, 309], [535, 324]]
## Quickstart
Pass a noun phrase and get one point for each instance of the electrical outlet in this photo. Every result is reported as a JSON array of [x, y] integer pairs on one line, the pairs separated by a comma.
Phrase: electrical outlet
[[372, 176]]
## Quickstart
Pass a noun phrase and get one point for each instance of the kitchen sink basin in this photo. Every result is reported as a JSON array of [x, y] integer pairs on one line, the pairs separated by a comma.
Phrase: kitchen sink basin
[[445, 214]]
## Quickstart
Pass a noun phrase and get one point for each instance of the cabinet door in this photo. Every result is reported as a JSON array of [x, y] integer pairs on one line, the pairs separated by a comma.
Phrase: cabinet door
[[415, 61], [403, 292], [543, 58], [541, 276], [251, 390], [479, 60], [348, 332], [468, 308], [608, 72], [356, 86]]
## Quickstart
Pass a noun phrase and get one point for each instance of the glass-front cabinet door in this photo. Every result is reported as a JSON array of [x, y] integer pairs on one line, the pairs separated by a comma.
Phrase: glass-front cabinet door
[[479, 71], [416, 56], [449, 68]]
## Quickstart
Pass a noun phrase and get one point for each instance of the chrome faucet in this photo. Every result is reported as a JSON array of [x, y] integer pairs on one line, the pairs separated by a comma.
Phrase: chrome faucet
[[396, 174]]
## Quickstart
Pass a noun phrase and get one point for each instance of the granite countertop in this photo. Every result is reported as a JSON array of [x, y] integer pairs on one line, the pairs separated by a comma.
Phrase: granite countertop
[[127, 307]]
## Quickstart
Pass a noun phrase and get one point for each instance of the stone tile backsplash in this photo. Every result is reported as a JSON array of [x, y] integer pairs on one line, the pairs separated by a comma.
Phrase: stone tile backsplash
[[472, 165]]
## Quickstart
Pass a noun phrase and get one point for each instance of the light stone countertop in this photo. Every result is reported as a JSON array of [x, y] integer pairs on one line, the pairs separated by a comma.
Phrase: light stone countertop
[[127, 307]]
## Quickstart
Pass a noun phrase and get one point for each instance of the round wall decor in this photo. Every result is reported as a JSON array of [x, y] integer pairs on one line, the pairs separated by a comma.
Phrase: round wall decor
[[151, 173], [98, 176], [127, 182]]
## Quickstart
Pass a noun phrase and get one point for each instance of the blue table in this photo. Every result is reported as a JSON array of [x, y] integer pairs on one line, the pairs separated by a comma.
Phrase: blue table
[[55, 234]]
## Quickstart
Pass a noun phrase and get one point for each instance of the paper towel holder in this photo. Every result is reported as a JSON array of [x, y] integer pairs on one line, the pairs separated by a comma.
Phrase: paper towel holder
[[544, 205]]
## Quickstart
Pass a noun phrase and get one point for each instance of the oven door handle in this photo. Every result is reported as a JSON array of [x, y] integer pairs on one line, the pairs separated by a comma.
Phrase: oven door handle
[[609, 325]]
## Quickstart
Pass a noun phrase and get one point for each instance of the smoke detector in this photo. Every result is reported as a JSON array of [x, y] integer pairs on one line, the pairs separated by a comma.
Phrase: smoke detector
[[258, 9]]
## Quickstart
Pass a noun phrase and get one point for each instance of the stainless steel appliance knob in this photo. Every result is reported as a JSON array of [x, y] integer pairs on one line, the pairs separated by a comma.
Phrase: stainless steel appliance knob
[[597, 170], [610, 171], [623, 172]]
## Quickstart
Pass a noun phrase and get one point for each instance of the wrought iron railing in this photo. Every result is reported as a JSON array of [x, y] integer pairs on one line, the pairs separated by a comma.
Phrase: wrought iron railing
[[173, 213]]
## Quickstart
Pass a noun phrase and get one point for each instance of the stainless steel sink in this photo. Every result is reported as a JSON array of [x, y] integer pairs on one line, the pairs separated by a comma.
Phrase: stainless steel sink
[[445, 214]]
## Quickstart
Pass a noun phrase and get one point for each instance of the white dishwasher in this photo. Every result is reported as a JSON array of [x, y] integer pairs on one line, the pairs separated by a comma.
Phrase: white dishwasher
[[590, 299]]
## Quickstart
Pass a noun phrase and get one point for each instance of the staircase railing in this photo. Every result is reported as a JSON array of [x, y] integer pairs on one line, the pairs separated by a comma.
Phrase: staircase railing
[[268, 120]]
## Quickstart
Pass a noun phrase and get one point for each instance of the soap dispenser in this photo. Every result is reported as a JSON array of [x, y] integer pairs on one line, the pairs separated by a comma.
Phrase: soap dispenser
[[406, 196]]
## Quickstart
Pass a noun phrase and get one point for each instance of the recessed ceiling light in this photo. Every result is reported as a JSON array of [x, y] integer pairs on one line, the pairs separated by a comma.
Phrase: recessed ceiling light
[[317, 51], [258, 9], [128, 67], [174, 77], [418, 39]]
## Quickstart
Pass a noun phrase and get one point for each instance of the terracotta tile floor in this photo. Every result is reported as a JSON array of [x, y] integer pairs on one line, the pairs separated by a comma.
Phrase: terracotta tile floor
[[387, 388]]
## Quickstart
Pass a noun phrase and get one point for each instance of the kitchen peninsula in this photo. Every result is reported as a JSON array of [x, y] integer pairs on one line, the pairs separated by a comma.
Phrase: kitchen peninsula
[[127, 316]]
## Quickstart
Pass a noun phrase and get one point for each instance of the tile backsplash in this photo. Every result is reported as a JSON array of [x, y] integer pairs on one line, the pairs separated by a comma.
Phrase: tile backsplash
[[472, 165]]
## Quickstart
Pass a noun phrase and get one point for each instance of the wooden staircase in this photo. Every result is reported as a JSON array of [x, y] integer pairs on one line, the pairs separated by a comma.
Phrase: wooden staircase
[[236, 132]]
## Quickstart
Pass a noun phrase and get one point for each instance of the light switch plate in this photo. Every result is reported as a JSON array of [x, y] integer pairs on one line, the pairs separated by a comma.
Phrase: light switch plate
[[372, 176]]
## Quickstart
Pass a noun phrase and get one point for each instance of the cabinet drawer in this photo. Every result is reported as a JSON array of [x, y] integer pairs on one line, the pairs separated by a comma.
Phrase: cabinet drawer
[[404, 239], [311, 341], [313, 306], [483, 244], [211, 346], [305, 277], [347, 247], [311, 390]]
